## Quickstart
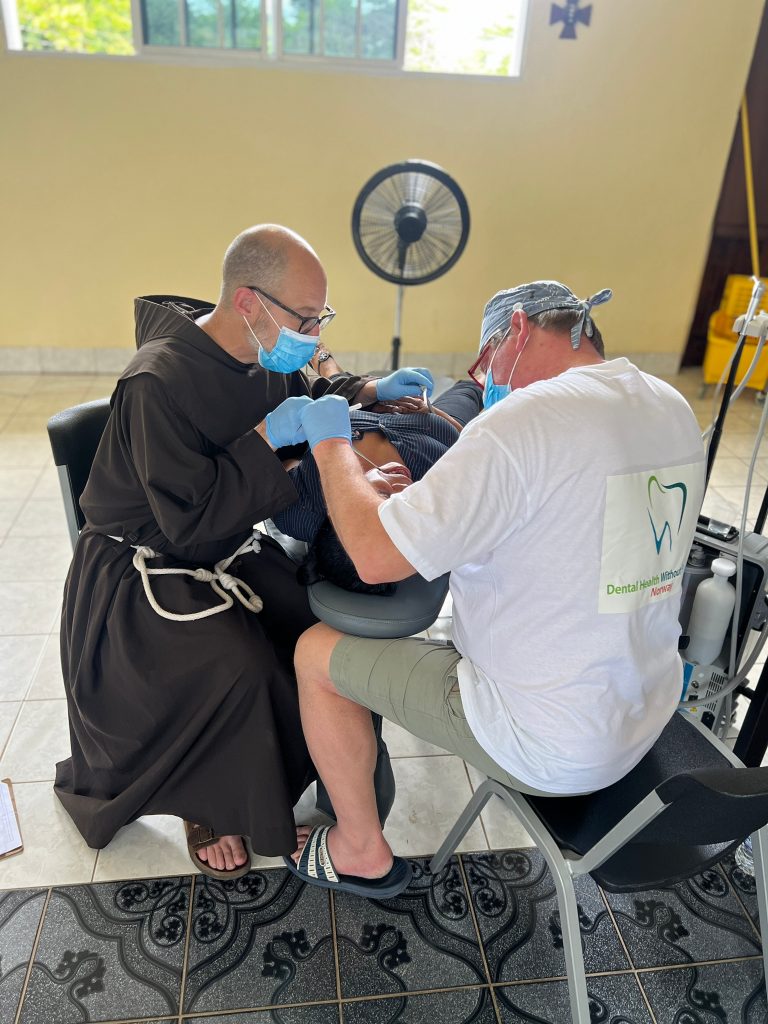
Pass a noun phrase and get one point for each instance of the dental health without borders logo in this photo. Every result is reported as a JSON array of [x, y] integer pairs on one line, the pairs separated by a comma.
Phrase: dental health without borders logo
[[663, 507], [662, 489]]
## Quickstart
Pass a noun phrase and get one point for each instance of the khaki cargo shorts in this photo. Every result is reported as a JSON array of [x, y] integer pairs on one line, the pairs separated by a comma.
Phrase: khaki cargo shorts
[[414, 683]]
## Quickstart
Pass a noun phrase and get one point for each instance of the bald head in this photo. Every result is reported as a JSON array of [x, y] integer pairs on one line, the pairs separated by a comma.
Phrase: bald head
[[264, 255]]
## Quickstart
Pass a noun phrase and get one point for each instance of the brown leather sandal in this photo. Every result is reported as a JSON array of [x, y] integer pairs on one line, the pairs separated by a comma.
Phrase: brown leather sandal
[[198, 837]]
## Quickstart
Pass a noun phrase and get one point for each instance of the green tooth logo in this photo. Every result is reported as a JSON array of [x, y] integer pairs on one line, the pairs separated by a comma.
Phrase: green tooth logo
[[657, 490]]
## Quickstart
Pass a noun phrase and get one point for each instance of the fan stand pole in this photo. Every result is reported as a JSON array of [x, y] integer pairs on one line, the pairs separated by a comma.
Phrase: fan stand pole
[[398, 318]]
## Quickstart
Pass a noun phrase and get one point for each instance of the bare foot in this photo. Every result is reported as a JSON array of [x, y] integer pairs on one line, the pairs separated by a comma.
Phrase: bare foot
[[225, 855], [372, 859]]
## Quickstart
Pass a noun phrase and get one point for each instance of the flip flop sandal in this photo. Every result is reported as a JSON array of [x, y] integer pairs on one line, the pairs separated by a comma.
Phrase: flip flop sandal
[[316, 867], [198, 837]]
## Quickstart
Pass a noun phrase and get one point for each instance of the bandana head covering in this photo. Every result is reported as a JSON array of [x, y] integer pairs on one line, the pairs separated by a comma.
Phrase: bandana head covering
[[538, 297]]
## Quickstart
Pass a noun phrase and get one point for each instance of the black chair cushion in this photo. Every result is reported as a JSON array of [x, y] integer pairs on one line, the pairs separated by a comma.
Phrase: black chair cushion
[[577, 823], [75, 434]]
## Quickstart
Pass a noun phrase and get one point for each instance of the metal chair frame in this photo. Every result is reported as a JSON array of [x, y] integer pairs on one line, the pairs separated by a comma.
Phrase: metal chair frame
[[566, 865]]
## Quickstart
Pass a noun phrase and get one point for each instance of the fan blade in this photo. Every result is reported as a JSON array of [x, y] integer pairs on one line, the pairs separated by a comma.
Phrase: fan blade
[[410, 222]]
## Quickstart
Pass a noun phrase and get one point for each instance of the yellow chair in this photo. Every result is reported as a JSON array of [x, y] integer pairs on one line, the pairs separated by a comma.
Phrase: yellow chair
[[721, 340]]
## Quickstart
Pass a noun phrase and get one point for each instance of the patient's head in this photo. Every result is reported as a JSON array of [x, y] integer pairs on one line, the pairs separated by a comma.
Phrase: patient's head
[[327, 560]]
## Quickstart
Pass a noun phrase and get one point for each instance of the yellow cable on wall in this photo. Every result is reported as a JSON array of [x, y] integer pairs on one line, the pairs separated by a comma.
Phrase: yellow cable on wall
[[750, 184]]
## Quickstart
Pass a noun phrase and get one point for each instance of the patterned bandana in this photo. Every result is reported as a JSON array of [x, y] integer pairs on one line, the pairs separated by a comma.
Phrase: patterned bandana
[[538, 297]]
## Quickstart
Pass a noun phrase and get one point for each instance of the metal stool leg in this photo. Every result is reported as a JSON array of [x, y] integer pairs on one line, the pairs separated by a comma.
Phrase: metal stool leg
[[566, 900], [574, 956], [482, 795]]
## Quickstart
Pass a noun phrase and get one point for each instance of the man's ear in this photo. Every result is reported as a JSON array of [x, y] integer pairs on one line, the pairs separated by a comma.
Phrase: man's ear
[[245, 302], [521, 329]]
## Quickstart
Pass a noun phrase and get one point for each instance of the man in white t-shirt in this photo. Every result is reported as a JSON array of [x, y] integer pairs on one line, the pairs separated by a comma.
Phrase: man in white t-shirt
[[564, 514]]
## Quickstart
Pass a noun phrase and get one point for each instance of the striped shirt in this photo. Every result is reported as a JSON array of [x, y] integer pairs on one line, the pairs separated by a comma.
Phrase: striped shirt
[[420, 440]]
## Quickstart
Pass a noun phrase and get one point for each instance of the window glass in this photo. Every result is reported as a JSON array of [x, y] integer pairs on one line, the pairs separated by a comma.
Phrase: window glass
[[378, 29], [161, 22], [80, 27], [203, 23], [340, 28], [479, 37], [301, 26], [463, 36], [246, 28]]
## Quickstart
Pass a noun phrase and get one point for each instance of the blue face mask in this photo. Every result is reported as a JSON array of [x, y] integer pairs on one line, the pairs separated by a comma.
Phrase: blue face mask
[[290, 352], [493, 393]]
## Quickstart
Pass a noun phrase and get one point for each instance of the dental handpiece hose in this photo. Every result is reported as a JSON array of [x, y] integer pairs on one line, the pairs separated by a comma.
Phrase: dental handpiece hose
[[763, 513], [758, 289]]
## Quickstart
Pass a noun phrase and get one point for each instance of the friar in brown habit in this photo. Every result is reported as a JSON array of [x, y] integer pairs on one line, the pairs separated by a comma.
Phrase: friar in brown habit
[[173, 708]]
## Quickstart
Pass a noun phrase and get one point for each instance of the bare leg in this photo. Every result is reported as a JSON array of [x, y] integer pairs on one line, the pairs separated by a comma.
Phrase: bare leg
[[340, 738]]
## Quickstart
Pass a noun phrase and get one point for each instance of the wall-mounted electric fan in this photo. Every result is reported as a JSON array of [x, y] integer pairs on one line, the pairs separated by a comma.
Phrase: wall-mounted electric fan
[[410, 224]]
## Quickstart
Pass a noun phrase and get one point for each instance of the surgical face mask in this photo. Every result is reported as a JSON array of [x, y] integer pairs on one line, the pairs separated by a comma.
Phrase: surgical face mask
[[492, 392], [290, 352]]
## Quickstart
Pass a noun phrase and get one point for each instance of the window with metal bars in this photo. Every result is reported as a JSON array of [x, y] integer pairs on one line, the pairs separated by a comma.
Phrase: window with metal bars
[[339, 29], [449, 36]]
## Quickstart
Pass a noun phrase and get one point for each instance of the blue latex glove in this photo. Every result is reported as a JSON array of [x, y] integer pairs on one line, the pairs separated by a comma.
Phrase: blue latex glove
[[325, 418], [284, 423], [407, 381]]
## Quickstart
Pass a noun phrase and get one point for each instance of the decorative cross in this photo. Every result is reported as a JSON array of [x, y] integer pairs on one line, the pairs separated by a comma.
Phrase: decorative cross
[[570, 15]]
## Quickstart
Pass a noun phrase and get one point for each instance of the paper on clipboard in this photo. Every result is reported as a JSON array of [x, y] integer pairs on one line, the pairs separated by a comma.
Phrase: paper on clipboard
[[10, 835]]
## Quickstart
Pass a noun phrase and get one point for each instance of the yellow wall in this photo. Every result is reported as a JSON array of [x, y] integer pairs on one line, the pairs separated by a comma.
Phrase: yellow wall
[[601, 166]]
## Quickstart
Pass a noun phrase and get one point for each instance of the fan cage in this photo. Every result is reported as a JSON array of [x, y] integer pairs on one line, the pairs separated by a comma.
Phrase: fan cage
[[428, 192]]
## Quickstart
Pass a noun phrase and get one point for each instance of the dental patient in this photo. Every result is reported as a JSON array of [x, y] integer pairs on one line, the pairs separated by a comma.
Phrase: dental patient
[[395, 448]]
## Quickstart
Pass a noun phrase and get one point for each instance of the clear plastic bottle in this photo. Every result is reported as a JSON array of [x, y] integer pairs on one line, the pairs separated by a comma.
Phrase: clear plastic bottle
[[744, 857], [697, 569], [711, 613]]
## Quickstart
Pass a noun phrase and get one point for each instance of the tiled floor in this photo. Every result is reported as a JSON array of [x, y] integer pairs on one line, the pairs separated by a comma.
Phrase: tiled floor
[[479, 942]]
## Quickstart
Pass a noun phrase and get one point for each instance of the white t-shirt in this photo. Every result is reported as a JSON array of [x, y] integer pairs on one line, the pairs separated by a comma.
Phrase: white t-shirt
[[565, 514]]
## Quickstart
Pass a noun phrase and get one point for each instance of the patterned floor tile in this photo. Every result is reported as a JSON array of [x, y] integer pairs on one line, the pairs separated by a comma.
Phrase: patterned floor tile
[[696, 920], [744, 886], [262, 940], [708, 995], [111, 951], [19, 917], [613, 998], [516, 905], [423, 939], [278, 1015], [464, 1006]]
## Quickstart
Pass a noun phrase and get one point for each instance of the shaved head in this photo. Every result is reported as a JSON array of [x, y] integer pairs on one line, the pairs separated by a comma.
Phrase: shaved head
[[260, 256]]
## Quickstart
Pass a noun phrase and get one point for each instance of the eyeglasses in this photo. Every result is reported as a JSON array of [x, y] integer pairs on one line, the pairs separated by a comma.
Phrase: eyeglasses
[[479, 369], [306, 323]]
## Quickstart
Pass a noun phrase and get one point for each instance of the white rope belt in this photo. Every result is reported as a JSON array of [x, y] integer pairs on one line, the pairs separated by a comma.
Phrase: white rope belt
[[220, 580]]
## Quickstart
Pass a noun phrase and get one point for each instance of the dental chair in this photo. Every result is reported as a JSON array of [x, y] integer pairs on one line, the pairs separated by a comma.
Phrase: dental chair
[[413, 607]]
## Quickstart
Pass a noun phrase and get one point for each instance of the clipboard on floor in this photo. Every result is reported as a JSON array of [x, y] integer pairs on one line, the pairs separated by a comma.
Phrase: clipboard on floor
[[10, 833]]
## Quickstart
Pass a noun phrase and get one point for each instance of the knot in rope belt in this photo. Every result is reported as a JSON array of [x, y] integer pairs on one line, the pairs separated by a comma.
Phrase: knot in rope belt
[[220, 580]]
